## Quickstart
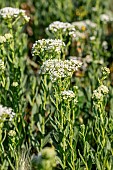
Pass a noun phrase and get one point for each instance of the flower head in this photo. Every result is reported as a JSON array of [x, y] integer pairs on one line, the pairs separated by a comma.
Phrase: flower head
[[105, 45], [100, 92], [83, 25], [47, 48], [103, 89], [106, 18], [2, 39], [67, 94], [6, 111], [64, 28], [9, 12], [8, 36], [105, 71], [59, 69]]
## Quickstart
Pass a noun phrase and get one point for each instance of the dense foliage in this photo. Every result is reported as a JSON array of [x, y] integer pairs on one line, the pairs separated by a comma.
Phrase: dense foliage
[[56, 85]]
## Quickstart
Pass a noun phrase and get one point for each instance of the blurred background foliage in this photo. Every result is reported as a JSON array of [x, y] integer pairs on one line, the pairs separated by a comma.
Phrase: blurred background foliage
[[44, 12]]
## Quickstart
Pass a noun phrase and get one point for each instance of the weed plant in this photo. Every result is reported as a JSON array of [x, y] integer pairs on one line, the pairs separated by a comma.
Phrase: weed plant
[[56, 103]]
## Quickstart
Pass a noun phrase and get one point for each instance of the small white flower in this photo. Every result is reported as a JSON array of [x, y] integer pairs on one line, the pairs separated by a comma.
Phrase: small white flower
[[92, 38], [106, 18], [105, 45], [12, 133], [99, 93], [67, 94], [63, 28], [103, 89], [80, 35], [105, 71], [6, 111], [79, 24], [8, 36], [90, 24], [85, 24], [59, 69], [15, 84], [26, 18], [2, 39], [48, 48], [9, 12], [94, 9]]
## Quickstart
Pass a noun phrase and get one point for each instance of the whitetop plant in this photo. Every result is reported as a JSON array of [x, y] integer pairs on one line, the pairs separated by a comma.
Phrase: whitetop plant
[[67, 94], [15, 84], [8, 36], [92, 38], [6, 111], [105, 71], [63, 28], [83, 25], [106, 18], [90, 24], [13, 13], [99, 93], [105, 45], [80, 35], [2, 39], [83, 29], [103, 89], [46, 47], [5, 38], [59, 69]]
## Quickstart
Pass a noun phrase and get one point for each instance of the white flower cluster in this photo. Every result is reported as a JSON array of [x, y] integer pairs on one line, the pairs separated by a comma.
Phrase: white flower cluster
[[106, 18], [67, 94], [5, 38], [80, 25], [9, 12], [59, 69], [103, 89], [15, 84], [8, 36], [100, 92], [6, 111], [82, 28], [90, 24], [83, 25], [64, 28], [80, 35], [2, 39], [2, 66], [47, 46], [105, 45], [105, 71], [92, 38]]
